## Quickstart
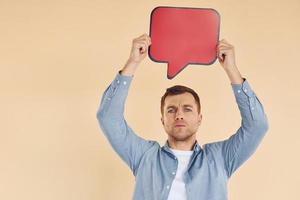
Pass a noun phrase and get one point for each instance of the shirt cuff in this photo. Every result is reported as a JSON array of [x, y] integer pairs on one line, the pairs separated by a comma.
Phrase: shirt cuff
[[242, 90], [122, 80]]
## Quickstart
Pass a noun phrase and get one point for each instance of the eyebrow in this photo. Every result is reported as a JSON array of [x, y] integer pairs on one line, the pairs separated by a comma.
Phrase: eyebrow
[[186, 105]]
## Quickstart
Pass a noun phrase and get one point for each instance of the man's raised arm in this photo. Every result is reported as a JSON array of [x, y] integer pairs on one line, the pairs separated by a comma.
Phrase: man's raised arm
[[240, 146], [129, 146]]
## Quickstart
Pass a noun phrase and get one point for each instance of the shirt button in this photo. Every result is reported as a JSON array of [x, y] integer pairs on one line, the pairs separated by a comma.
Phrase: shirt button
[[173, 173], [252, 108], [118, 81], [124, 82], [245, 90], [239, 91], [168, 186]]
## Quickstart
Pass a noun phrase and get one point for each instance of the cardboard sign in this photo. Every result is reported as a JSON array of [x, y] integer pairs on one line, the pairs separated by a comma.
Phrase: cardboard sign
[[182, 36]]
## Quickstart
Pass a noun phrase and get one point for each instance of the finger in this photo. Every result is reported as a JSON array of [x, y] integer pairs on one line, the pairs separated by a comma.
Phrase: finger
[[227, 48], [144, 40], [149, 40], [224, 49], [220, 60], [142, 47], [141, 42], [139, 38], [224, 44], [221, 54], [224, 40], [142, 35], [145, 37]]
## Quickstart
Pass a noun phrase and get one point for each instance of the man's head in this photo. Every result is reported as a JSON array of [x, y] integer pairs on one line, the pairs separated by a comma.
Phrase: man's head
[[181, 112]]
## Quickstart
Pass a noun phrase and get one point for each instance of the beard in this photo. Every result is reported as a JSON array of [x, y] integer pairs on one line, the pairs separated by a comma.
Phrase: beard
[[181, 134]]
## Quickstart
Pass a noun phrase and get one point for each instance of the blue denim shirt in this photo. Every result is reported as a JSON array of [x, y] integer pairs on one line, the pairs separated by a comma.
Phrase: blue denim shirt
[[153, 166]]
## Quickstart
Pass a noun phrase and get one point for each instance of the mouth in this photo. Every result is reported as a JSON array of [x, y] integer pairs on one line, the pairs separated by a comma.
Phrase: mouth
[[179, 125]]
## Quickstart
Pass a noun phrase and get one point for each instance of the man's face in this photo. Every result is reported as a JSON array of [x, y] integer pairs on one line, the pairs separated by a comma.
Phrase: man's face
[[180, 116]]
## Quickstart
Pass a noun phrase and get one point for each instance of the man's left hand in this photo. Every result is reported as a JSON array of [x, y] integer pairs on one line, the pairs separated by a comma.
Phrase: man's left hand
[[225, 54]]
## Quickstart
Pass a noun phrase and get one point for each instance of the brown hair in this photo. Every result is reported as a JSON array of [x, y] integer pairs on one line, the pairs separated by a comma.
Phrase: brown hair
[[179, 89]]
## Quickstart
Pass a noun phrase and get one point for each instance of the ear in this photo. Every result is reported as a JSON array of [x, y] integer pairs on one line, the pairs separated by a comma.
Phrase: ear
[[162, 121], [199, 119]]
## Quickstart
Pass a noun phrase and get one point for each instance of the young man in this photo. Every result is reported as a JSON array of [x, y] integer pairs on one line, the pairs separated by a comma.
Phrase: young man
[[181, 169]]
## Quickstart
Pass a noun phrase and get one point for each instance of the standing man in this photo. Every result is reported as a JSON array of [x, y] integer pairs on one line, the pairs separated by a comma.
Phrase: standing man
[[181, 169]]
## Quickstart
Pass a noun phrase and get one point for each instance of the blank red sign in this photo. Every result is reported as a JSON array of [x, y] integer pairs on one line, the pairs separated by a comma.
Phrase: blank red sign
[[182, 36]]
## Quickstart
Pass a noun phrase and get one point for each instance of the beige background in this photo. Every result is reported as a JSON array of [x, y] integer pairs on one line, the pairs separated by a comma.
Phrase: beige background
[[57, 58]]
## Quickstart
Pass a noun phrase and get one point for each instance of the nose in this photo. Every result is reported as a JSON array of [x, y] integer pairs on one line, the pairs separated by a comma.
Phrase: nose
[[179, 115]]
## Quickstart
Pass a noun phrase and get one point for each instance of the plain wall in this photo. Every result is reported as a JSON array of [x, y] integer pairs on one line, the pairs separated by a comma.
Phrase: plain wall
[[57, 58]]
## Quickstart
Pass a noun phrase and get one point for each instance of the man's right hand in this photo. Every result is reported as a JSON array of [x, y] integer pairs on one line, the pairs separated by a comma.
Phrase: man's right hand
[[138, 52]]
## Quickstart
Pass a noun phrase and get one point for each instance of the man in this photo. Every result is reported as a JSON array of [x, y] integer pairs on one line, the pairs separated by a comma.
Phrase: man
[[181, 169]]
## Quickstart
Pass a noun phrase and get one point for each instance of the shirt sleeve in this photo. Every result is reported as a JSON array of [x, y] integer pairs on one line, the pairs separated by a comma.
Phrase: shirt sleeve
[[129, 146], [240, 146]]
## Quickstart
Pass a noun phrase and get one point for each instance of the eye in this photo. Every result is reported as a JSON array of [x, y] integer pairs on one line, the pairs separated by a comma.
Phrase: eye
[[170, 110], [187, 109]]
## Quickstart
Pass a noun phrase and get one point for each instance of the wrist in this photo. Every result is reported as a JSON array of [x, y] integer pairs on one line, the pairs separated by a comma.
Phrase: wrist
[[234, 75], [129, 68], [230, 68]]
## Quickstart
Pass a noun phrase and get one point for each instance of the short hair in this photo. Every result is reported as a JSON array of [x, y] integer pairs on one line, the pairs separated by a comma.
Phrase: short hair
[[176, 90]]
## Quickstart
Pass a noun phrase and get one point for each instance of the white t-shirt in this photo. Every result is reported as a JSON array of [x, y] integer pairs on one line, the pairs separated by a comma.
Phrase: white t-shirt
[[178, 190]]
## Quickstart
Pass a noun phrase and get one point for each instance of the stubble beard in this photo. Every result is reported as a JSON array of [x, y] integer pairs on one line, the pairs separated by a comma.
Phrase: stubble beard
[[179, 136]]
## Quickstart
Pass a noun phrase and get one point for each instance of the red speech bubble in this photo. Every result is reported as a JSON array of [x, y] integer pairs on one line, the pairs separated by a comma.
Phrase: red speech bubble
[[182, 36]]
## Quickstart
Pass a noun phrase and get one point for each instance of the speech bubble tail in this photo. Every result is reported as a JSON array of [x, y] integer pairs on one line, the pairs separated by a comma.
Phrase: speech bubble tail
[[174, 68]]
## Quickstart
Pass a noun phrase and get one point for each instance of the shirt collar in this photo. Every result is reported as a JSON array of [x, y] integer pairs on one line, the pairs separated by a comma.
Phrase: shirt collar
[[196, 147]]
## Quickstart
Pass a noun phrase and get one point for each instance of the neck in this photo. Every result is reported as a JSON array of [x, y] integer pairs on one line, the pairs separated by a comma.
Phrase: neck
[[186, 145]]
